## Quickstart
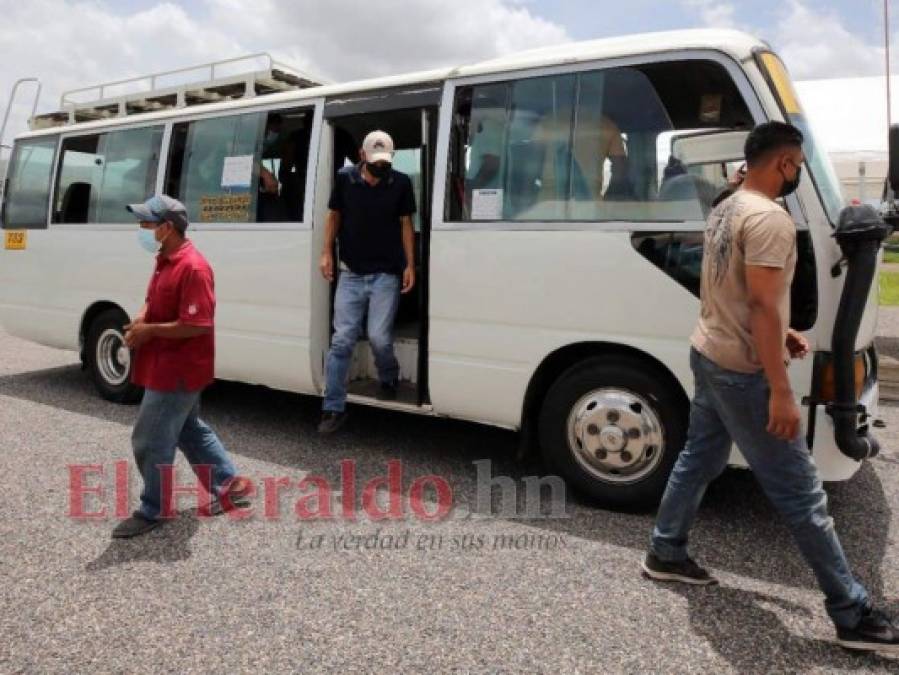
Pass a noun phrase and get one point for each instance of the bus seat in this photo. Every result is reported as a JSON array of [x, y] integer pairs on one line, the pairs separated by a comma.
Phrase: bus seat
[[689, 188], [75, 203]]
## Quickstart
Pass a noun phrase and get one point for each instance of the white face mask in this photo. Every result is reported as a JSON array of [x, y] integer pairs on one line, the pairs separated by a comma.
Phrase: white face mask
[[147, 239]]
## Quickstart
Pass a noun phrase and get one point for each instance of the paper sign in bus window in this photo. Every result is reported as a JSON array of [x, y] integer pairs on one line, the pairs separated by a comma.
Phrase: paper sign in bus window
[[225, 208], [237, 171], [486, 204]]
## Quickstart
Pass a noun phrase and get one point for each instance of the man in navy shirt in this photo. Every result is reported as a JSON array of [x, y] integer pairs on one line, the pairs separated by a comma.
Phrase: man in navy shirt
[[370, 216]]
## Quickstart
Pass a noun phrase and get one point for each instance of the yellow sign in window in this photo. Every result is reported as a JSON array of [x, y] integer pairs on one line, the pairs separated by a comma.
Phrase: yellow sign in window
[[15, 240]]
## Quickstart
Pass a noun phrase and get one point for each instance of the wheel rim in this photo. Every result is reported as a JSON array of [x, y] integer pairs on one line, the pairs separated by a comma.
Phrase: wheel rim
[[113, 357], [616, 435]]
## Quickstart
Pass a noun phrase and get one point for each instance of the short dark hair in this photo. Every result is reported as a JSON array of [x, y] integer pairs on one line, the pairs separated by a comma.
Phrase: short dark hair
[[179, 227], [768, 138]]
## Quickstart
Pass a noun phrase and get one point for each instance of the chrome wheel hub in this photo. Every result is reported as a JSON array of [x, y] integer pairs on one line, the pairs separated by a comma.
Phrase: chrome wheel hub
[[113, 358], [616, 435]]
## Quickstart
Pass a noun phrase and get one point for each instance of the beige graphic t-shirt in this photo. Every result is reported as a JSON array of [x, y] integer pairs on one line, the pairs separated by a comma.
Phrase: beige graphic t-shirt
[[745, 229]]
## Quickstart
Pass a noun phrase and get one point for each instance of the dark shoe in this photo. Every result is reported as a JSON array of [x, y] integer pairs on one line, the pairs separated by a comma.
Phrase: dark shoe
[[237, 497], [874, 633], [387, 391], [331, 422], [134, 526], [685, 571]]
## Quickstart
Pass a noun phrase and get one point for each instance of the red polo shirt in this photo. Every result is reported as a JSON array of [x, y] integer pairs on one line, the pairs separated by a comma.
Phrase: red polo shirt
[[182, 289]]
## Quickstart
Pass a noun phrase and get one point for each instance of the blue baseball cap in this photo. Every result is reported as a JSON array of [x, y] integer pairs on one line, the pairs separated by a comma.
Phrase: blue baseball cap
[[161, 208]]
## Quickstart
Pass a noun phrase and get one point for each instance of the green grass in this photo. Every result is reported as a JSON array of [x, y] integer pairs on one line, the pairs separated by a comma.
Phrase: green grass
[[889, 288], [891, 256]]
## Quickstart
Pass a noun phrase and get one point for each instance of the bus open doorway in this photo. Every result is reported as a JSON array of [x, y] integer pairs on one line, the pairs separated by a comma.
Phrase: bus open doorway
[[413, 131]]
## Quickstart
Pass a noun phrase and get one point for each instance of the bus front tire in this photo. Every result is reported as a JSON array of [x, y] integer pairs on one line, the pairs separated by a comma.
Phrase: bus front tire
[[612, 429], [109, 360]]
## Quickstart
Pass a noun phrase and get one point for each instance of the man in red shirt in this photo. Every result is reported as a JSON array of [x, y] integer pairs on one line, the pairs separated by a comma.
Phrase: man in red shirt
[[174, 356]]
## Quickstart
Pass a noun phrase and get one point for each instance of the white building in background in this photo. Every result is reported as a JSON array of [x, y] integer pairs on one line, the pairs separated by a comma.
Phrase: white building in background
[[849, 118]]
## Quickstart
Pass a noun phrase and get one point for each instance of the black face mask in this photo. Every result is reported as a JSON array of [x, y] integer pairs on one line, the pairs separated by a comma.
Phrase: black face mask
[[789, 186], [378, 170]]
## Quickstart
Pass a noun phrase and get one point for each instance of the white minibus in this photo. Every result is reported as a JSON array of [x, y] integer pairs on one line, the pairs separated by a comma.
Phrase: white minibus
[[562, 196]]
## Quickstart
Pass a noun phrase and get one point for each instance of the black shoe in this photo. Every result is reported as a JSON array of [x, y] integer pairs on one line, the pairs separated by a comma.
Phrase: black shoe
[[134, 526], [237, 498], [217, 506], [874, 633], [685, 571], [387, 391], [331, 422]]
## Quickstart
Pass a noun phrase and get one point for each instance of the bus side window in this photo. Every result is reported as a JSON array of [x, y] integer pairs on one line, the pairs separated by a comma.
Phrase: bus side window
[[215, 170], [77, 178], [100, 173], [588, 146], [554, 148], [285, 155], [130, 163], [244, 168], [27, 190]]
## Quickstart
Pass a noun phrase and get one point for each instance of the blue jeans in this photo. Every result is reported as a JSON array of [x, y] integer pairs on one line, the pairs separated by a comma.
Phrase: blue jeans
[[729, 406], [380, 294], [167, 420]]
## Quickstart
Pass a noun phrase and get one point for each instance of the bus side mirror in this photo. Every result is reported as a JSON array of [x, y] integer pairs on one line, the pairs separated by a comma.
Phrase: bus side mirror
[[893, 173]]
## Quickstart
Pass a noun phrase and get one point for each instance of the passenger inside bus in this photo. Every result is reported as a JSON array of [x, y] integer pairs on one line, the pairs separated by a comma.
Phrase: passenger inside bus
[[596, 143], [679, 185], [282, 179]]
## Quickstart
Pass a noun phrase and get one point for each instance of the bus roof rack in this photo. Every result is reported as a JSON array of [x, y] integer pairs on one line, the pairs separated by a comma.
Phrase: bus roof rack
[[206, 83]]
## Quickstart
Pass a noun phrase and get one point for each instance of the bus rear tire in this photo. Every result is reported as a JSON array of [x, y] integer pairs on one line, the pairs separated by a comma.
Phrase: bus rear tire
[[108, 359], [612, 429]]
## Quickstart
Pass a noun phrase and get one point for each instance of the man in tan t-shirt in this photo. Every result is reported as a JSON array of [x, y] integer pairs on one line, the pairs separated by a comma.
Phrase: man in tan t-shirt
[[744, 231], [741, 348]]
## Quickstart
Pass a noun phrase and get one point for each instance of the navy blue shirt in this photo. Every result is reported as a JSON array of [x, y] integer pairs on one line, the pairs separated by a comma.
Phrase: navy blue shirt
[[370, 234]]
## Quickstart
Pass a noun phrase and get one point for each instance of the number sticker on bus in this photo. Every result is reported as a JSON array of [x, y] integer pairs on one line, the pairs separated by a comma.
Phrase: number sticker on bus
[[15, 240]]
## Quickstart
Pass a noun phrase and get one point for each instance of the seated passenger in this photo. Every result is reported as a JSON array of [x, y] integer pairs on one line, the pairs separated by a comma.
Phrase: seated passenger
[[595, 141], [680, 186], [593, 145]]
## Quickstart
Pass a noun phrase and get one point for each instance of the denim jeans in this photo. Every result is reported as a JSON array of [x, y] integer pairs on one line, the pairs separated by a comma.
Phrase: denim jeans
[[729, 406], [380, 294], [167, 420]]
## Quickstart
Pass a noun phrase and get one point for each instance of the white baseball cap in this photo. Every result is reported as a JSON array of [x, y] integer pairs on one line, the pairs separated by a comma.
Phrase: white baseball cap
[[378, 147]]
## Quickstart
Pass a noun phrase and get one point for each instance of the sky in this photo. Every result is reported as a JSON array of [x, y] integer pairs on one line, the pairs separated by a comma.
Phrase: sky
[[74, 43]]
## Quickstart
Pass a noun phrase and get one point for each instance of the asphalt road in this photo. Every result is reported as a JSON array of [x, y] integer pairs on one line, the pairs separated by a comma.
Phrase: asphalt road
[[476, 593]]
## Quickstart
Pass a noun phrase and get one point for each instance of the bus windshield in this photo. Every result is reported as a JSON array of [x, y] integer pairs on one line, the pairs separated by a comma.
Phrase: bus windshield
[[823, 175]]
